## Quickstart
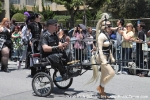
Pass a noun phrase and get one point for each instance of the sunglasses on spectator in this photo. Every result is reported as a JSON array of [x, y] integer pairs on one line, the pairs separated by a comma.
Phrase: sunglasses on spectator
[[128, 26], [109, 25]]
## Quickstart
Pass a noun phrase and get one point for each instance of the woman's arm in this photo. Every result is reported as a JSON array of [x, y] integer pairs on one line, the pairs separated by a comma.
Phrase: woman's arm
[[114, 28], [13, 36], [20, 34], [128, 36]]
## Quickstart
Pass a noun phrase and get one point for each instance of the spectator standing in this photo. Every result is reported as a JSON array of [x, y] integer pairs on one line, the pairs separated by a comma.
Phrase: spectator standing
[[26, 36], [139, 40], [127, 35], [64, 38], [16, 38], [78, 44], [6, 45], [120, 26], [89, 43]]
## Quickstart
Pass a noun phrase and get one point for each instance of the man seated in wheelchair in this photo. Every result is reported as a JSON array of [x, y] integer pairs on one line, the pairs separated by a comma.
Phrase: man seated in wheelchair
[[51, 47]]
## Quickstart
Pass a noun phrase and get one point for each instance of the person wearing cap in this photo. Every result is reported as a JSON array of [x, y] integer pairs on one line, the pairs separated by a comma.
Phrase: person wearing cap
[[50, 46]]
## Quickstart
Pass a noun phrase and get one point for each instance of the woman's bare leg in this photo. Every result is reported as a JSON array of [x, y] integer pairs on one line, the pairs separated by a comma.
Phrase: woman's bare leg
[[4, 59]]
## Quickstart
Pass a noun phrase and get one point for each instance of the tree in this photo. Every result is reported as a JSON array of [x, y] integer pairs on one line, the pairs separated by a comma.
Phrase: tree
[[47, 13], [128, 8], [13, 10], [72, 6]]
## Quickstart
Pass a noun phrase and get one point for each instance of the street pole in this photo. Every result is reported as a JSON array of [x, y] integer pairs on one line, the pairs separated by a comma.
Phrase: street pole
[[85, 19]]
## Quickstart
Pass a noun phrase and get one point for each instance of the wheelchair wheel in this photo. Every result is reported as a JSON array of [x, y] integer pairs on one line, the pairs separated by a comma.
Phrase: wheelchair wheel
[[65, 84], [42, 84]]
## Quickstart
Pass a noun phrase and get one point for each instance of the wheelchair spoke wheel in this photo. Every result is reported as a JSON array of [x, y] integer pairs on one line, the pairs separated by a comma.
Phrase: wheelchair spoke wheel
[[64, 84], [42, 84]]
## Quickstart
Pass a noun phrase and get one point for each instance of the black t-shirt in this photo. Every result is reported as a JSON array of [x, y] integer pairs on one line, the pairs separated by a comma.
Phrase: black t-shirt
[[142, 37], [35, 29], [50, 40]]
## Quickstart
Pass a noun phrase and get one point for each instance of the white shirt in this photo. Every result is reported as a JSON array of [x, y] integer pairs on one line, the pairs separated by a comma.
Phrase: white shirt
[[25, 33]]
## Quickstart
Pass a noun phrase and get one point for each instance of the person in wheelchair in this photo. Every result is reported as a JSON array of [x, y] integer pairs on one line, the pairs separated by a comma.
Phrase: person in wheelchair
[[51, 47]]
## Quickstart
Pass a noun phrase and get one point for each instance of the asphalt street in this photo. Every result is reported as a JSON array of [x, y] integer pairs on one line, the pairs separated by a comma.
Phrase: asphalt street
[[16, 85]]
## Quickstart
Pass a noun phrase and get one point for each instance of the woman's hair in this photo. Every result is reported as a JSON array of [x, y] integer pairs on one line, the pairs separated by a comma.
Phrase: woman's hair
[[17, 27], [33, 16], [130, 24], [121, 21], [89, 28], [77, 29], [100, 27], [3, 21]]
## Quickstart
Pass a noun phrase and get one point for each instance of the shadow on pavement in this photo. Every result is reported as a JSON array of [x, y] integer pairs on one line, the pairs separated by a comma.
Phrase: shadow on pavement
[[72, 93]]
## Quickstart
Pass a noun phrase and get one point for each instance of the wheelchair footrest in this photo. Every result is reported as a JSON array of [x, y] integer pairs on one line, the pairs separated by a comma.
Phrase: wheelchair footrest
[[74, 65]]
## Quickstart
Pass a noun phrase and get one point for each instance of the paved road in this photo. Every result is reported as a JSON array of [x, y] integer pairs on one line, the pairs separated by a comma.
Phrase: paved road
[[17, 86]]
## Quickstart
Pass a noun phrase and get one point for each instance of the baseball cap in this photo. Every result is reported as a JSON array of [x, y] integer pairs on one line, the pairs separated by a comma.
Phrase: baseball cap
[[27, 14], [51, 21]]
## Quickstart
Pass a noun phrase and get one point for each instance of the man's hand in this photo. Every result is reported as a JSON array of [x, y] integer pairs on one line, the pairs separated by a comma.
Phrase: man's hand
[[60, 46], [65, 44]]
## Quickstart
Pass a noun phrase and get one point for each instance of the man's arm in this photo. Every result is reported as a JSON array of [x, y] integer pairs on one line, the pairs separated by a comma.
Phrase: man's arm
[[47, 48]]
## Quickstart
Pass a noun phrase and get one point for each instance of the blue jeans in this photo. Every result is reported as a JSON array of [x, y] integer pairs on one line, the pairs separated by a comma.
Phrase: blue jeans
[[126, 56], [89, 48]]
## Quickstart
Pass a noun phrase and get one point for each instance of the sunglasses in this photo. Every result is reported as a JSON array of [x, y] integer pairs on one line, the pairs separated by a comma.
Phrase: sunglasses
[[109, 25], [128, 26]]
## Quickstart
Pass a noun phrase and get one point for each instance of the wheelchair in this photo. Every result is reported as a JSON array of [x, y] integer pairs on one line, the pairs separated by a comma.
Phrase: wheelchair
[[42, 83]]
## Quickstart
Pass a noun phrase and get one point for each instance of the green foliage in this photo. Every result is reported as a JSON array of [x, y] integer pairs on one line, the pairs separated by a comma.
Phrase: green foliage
[[61, 17], [128, 8], [72, 7], [47, 13], [22, 10], [78, 21], [13, 10], [35, 9], [96, 4], [43, 19], [1, 7], [18, 17], [99, 15]]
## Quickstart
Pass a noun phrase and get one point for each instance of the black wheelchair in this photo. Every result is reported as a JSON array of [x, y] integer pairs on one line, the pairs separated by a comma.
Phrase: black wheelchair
[[42, 83]]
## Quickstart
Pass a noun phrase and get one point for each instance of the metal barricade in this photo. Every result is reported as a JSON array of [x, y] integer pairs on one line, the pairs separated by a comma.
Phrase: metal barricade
[[128, 59], [133, 59]]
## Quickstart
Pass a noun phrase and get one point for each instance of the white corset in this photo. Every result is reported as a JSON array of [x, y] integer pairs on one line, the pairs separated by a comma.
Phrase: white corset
[[106, 43]]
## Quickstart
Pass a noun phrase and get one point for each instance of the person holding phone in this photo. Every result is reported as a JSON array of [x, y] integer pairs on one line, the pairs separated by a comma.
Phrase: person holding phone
[[78, 46], [139, 52], [127, 35]]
